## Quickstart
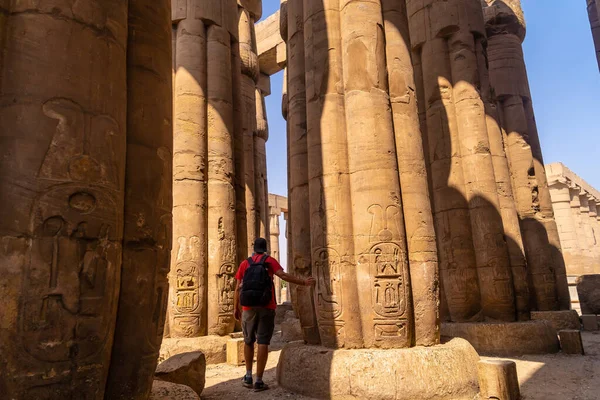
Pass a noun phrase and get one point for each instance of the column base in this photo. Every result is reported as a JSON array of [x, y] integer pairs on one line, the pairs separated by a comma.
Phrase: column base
[[505, 339], [213, 347], [447, 371], [560, 320]]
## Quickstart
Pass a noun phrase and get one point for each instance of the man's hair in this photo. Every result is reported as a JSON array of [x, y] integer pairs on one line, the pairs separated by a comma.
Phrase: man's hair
[[260, 245]]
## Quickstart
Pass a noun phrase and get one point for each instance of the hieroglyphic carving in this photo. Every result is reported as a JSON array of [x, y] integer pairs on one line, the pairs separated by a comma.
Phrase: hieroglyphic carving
[[388, 262], [188, 288], [329, 283], [71, 282], [82, 148], [226, 288]]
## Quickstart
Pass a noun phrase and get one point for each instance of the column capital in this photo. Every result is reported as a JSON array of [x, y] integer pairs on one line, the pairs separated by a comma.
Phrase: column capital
[[504, 16]]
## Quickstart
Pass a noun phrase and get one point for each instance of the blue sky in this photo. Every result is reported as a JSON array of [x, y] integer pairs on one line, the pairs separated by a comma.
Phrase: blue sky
[[565, 86]]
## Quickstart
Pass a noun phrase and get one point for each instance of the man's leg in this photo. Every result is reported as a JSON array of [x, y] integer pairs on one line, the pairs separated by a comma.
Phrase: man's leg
[[261, 361], [266, 326], [249, 357], [250, 320]]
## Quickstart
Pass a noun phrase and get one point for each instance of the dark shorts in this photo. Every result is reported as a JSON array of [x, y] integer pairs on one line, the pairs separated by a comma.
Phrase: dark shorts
[[258, 325]]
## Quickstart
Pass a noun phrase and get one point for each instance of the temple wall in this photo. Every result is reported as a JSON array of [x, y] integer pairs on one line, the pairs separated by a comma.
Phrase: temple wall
[[576, 205]]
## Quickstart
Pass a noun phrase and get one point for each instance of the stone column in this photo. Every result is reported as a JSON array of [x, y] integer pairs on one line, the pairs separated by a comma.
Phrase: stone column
[[593, 7], [63, 147], [148, 204], [595, 229], [505, 28], [250, 74], [357, 229], [187, 314], [588, 237], [274, 232], [299, 223], [561, 201], [584, 261], [447, 52], [260, 166], [207, 91], [222, 244]]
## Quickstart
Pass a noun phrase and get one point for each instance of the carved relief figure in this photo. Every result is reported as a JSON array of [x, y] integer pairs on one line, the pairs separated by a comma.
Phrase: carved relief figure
[[329, 281]]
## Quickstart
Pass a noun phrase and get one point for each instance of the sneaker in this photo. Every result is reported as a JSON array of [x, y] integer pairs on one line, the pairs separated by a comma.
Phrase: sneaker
[[247, 382], [260, 386]]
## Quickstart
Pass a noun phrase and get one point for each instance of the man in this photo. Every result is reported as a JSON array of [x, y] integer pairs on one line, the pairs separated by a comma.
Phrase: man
[[258, 322]]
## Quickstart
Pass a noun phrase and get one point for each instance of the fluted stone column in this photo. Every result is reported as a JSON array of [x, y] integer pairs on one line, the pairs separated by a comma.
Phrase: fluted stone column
[[62, 170], [250, 73], [207, 92], [299, 233], [593, 7], [147, 239], [260, 166], [567, 229], [447, 38], [584, 264], [361, 256], [274, 233], [85, 177], [505, 26], [420, 230]]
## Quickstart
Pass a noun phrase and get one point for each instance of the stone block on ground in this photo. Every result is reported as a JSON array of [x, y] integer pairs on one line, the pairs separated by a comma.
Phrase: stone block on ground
[[443, 372], [281, 311], [185, 369], [171, 391], [589, 322], [567, 319], [570, 341], [505, 339], [214, 348], [235, 351], [588, 290], [498, 380], [291, 330]]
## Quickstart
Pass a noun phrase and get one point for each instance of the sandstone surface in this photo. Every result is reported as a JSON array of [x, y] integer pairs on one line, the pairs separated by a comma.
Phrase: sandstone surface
[[506, 339], [185, 369], [214, 348], [171, 391], [588, 289], [446, 371]]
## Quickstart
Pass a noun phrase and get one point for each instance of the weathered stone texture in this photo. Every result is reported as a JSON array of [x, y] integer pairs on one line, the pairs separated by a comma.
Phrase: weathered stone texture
[[62, 168], [213, 347], [299, 255], [505, 26], [570, 342], [80, 217], [442, 372], [505, 339], [148, 202], [447, 41], [162, 390], [588, 289], [498, 380], [593, 7], [185, 369], [218, 212], [567, 319]]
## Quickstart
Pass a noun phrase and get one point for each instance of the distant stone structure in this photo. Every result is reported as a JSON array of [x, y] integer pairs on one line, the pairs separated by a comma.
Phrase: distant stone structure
[[576, 204], [278, 205]]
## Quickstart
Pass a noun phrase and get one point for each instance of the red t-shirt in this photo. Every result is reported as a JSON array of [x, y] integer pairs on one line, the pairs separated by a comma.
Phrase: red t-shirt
[[272, 267]]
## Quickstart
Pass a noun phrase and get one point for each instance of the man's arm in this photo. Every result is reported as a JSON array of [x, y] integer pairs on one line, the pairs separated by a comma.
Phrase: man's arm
[[236, 300], [310, 281]]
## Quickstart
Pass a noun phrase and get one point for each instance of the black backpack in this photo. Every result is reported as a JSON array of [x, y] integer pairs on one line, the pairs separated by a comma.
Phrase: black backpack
[[257, 285]]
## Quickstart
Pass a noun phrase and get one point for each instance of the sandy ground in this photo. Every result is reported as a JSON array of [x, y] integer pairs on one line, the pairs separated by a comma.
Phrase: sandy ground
[[546, 377]]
